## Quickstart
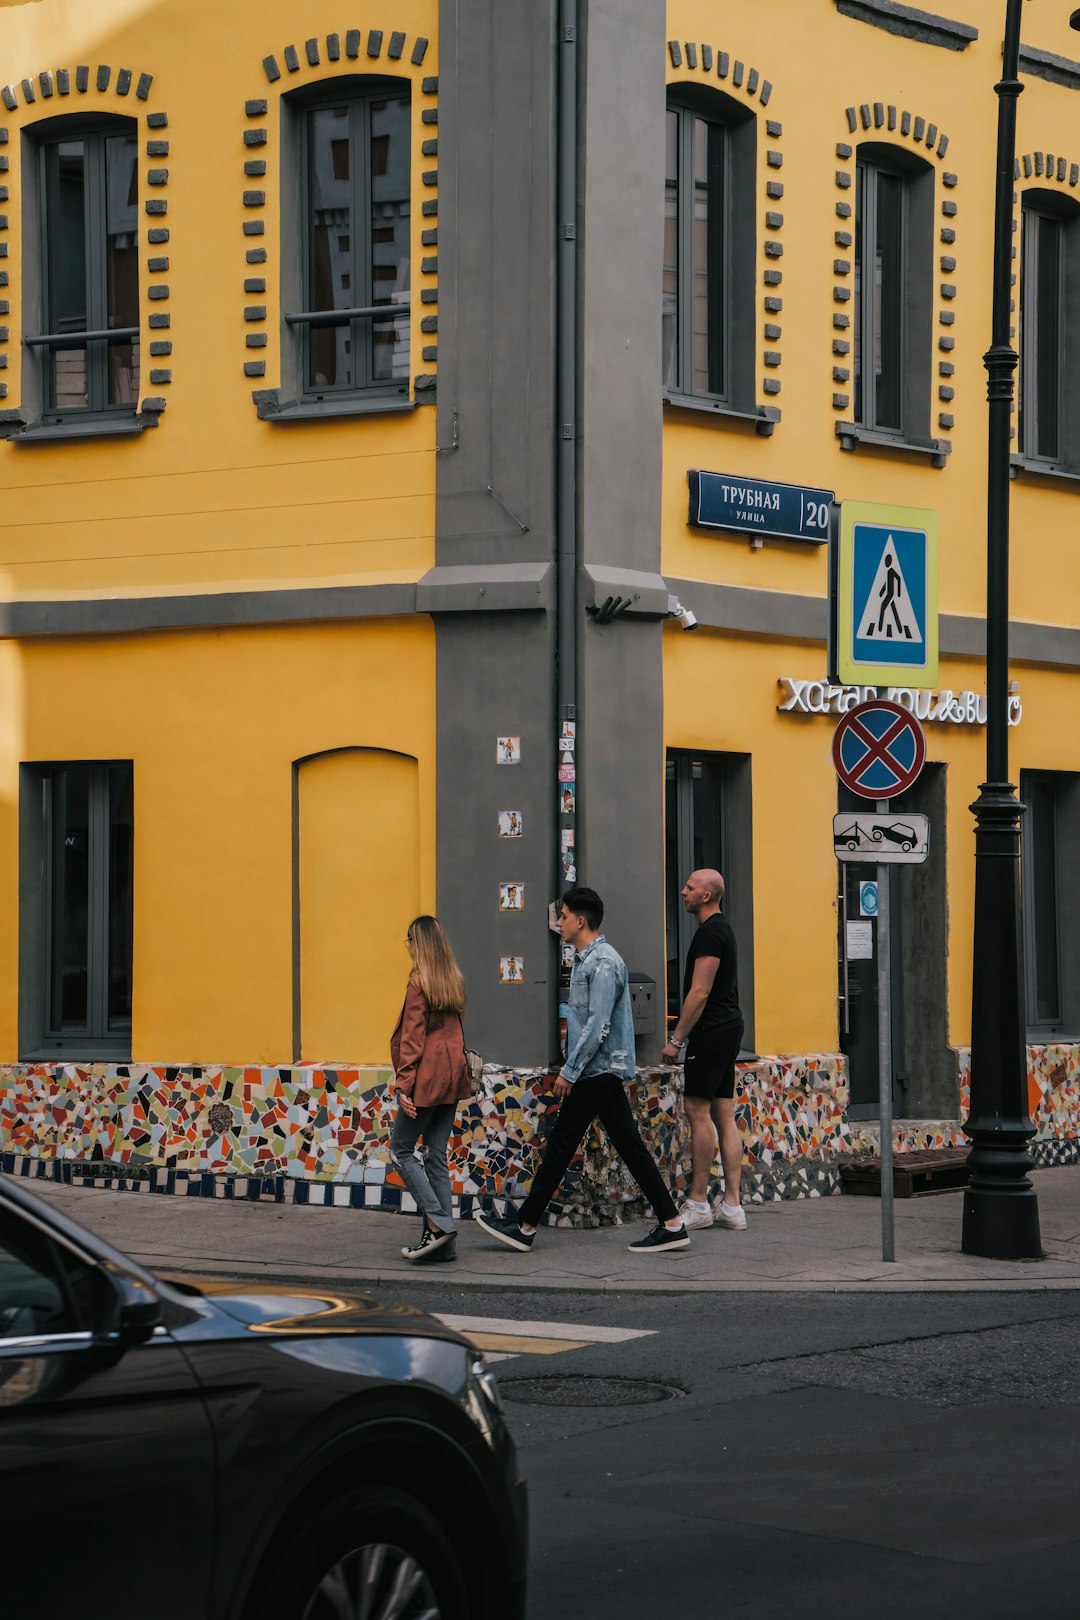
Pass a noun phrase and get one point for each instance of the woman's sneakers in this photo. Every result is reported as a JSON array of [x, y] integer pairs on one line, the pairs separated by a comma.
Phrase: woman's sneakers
[[432, 1246], [733, 1216]]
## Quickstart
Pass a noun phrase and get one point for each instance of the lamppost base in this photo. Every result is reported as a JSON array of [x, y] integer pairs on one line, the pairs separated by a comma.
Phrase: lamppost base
[[1002, 1223]]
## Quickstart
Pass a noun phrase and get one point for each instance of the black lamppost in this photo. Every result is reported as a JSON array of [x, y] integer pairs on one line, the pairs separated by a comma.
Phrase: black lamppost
[[1001, 1213]]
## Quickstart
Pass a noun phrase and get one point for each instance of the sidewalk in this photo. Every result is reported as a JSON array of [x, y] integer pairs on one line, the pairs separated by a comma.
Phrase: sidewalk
[[820, 1244]]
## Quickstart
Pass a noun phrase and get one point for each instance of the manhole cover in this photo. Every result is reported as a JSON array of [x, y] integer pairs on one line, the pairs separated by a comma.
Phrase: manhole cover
[[580, 1391]]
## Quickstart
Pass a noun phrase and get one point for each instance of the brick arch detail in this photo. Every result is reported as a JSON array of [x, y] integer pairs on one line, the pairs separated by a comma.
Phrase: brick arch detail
[[51, 93], [897, 127], [694, 63], [355, 51]]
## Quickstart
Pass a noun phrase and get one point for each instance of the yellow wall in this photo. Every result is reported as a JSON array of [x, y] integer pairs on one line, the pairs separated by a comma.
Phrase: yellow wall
[[213, 723], [720, 691], [213, 499]]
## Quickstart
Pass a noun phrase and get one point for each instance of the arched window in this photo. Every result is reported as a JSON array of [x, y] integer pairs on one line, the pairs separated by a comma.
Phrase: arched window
[[82, 309], [893, 319], [1049, 294], [352, 282], [709, 251]]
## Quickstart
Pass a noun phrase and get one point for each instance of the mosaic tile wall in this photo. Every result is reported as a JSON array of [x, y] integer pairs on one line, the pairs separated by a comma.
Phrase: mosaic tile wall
[[320, 1136], [1053, 1102], [317, 1135]]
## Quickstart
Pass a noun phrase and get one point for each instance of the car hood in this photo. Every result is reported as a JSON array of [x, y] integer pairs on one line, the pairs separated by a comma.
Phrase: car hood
[[274, 1309]]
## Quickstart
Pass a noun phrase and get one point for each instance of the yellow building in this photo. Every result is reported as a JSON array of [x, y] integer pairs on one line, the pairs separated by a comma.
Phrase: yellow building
[[339, 562]]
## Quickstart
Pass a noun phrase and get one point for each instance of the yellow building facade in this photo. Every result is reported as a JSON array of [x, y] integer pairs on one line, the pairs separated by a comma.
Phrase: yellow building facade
[[303, 602]]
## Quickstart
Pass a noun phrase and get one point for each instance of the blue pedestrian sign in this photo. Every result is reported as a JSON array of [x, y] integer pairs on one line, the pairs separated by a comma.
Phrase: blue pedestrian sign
[[885, 596]]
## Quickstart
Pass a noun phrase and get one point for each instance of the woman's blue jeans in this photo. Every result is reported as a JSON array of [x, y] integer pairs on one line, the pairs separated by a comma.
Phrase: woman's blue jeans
[[427, 1181]]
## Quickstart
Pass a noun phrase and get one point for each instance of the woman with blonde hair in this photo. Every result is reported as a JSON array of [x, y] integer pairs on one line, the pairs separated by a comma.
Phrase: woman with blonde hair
[[431, 1075]]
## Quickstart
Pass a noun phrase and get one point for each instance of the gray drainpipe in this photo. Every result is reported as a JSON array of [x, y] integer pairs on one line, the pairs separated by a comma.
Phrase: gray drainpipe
[[566, 557]]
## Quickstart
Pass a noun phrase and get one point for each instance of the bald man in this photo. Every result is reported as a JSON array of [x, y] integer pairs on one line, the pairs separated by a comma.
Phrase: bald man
[[712, 1026]]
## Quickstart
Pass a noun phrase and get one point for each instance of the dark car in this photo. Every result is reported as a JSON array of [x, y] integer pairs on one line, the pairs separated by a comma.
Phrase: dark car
[[228, 1455], [898, 833]]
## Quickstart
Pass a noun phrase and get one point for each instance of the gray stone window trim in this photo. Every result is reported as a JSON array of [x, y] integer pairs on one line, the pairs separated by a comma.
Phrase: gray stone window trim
[[27, 422], [360, 61], [852, 436], [763, 418], [95, 427], [910, 23], [1021, 466], [1054, 69], [270, 407], [731, 300]]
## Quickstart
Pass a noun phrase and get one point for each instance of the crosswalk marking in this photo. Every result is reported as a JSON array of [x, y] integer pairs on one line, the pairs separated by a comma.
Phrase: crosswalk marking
[[501, 1338], [520, 1344]]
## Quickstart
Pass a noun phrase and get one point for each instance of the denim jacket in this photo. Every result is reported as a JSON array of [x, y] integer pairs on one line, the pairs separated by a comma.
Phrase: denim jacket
[[600, 1023]]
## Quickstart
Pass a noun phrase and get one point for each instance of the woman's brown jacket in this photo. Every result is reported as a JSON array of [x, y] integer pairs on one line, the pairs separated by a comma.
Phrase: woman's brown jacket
[[428, 1051]]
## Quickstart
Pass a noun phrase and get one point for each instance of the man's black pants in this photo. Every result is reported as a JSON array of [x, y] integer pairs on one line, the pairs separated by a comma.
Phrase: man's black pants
[[602, 1097]]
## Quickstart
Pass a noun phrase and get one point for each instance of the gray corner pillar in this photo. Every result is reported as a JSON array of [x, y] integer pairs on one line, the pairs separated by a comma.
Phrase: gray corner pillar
[[620, 680], [495, 508]]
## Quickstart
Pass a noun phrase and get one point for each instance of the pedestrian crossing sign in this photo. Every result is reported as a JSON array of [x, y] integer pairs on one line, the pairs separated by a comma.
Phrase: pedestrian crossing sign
[[885, 602]]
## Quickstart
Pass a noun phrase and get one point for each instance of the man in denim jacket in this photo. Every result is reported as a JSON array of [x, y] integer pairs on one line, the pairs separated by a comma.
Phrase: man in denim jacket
[[600, 1057]]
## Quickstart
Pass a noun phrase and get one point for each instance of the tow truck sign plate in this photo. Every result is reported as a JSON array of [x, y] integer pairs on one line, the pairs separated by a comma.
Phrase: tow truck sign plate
[[881, 840]]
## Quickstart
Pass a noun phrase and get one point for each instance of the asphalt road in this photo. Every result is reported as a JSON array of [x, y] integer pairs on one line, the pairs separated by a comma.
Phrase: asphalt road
[[822, 1455]]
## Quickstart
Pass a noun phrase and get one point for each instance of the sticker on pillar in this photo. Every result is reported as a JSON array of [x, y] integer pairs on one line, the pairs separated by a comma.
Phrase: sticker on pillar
[[511, 897], [567, 773], [567, 799], [860, 941], [511, 970], [568, 737], [510, 823], [868, 900], [569, 866], [508, 750]]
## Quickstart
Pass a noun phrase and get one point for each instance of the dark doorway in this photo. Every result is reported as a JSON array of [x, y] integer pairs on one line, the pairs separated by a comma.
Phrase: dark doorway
[[923, 1064]]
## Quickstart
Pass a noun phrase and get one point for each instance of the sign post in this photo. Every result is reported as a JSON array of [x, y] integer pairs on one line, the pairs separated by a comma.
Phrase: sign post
[[878, 751], [885, 1076]]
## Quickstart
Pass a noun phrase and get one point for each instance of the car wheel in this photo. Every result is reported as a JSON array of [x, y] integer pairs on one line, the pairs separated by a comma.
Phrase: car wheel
[[906, 845], [875, 833], [373, 1555]]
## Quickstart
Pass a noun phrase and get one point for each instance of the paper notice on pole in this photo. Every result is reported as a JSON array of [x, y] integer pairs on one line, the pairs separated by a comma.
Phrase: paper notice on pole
[[860, 942]]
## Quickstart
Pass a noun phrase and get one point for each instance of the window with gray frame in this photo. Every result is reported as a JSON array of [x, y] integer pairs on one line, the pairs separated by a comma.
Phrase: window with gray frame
[[892, 317], [1049, 288], [355, 279], [708, 822], [76, 910], [88, 222], [708, 313], [1050, 864]]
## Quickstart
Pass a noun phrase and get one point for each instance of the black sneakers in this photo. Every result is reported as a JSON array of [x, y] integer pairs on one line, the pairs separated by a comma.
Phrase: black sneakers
[[507, 1231], [659, 1239], [432, 1246]]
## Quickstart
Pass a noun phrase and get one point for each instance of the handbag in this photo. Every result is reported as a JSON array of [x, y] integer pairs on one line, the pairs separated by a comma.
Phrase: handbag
[[474, 1065]]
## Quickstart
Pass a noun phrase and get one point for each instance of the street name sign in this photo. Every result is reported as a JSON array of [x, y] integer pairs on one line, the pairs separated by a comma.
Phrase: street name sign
[[900, 840], [753, 506], [884, 618], [878, 749]]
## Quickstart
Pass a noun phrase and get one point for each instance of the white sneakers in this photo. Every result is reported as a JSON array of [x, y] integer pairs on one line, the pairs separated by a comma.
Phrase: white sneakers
[[731, 1216], [693, 1215]]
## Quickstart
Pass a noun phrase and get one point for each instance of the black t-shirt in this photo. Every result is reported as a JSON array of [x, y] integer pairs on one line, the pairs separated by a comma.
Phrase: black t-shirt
[[715, 938]]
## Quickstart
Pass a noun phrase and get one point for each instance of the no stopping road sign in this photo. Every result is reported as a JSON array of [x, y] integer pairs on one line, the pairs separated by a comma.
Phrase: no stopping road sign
[[878, 749]]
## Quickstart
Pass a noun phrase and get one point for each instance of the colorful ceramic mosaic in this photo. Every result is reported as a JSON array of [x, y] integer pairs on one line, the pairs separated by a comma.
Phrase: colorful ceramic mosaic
[[321, 1135]]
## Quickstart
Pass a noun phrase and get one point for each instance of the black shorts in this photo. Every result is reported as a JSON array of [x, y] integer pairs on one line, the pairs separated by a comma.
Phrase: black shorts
[[709, 1066]]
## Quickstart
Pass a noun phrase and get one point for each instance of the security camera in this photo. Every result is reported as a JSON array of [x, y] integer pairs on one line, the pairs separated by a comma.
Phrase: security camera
[[676, 610]]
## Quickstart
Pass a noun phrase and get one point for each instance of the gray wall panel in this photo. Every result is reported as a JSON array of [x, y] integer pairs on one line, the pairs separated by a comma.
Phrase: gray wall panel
[[620, 690], [495, 504]]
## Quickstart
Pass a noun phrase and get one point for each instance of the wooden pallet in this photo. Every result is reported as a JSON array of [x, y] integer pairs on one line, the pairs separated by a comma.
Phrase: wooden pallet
[[938, 1170]]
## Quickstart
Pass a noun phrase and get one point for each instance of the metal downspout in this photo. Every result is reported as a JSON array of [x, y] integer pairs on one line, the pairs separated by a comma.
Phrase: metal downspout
[[566, 556]]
